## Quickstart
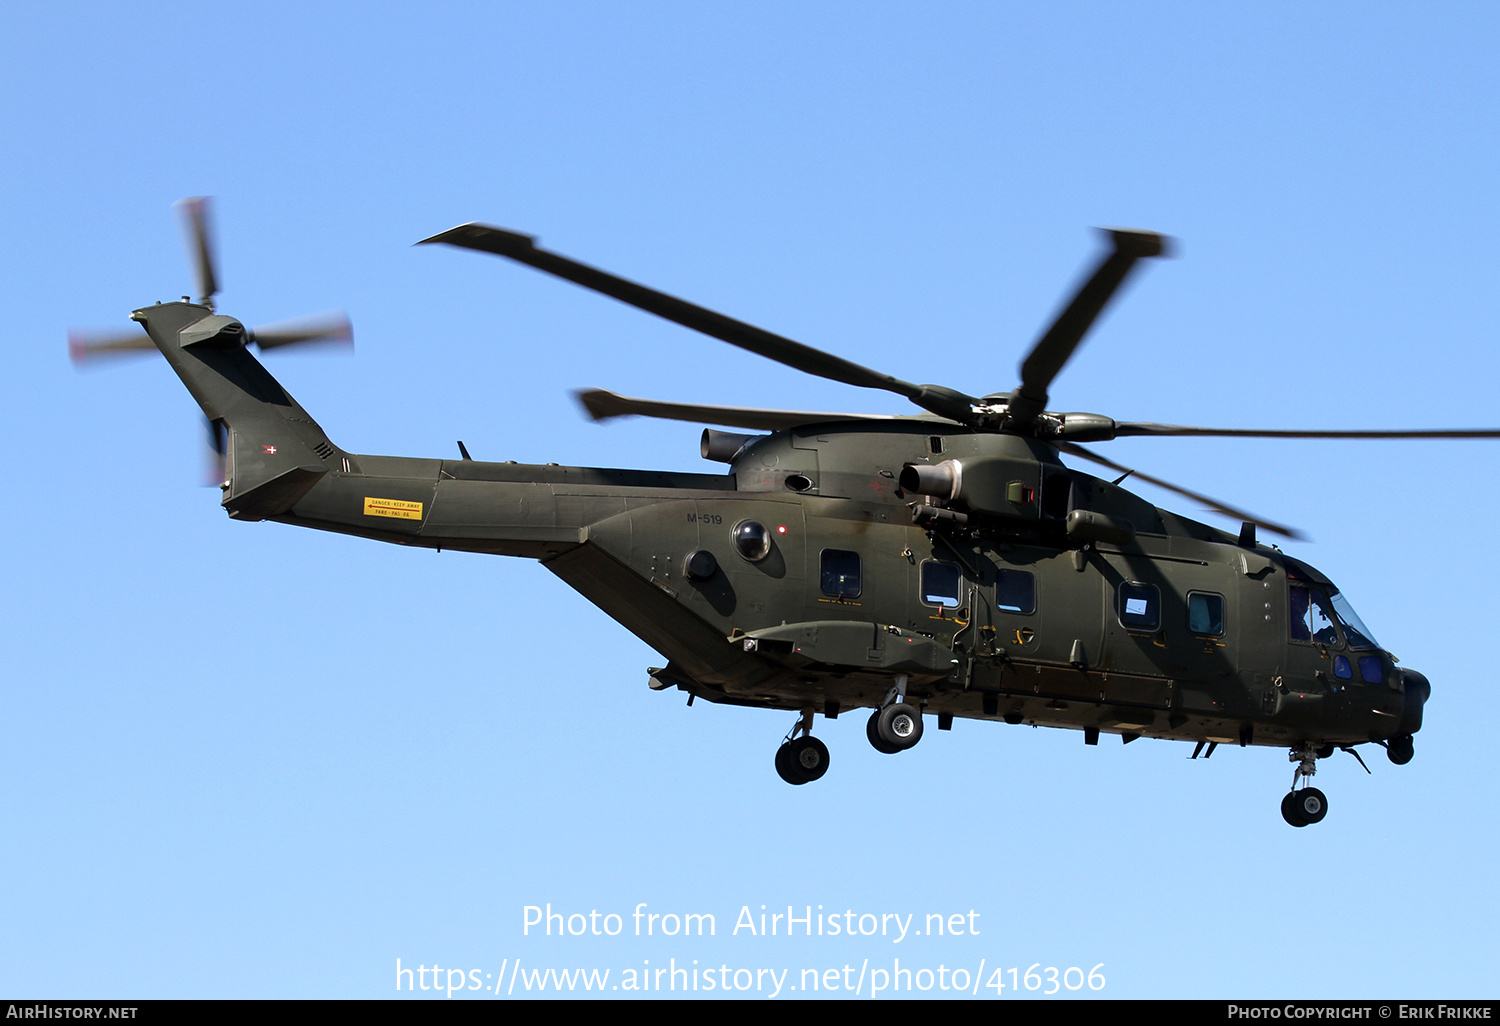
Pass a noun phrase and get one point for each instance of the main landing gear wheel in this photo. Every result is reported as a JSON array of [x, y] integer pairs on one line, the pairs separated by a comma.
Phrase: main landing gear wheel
[[899, 726], [802, 760], [872, 731], [1305, 807]]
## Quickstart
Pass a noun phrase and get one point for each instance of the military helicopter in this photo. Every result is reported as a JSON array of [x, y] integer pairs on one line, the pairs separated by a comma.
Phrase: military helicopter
[[939, 564]]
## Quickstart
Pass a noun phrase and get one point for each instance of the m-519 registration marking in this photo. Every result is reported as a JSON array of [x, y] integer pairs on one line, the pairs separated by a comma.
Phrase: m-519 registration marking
[[705, 518]]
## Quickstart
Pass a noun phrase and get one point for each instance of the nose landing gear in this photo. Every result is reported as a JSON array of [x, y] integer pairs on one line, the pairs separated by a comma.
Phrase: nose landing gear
[[1307, 806]]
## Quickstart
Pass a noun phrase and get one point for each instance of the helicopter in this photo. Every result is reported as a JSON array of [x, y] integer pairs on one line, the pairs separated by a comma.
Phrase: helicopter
[[944, 564]]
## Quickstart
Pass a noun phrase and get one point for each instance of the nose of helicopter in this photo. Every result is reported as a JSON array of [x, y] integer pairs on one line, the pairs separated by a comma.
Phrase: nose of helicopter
[[1418, 689]]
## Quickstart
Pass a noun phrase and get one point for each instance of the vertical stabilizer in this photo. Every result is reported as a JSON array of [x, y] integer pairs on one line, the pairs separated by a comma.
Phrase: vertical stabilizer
[[274, 452]]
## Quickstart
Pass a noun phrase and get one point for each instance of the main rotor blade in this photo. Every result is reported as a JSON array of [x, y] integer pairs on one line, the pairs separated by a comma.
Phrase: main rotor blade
[[522, 248], [1214, 504], [195, 220], [1053, 349], [1129, 429], [602, 405]]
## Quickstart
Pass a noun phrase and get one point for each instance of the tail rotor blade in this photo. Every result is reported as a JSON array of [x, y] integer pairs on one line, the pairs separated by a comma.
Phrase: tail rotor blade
[[195, 221], [214, 469], [89, 347], [329, 328]]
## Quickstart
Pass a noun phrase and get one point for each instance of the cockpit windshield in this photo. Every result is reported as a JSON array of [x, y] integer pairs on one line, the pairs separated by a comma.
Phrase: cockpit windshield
[[1319, 613], [1357, 634]]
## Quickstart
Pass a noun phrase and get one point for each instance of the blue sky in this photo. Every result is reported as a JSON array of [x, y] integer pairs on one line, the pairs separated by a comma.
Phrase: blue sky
[[243, 760]]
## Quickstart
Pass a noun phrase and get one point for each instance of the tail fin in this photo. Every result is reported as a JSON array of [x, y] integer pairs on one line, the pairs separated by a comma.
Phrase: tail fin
[[275, 452]]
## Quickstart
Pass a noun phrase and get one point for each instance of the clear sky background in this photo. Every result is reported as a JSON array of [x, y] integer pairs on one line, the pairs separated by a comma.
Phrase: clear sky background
[[243, 760]]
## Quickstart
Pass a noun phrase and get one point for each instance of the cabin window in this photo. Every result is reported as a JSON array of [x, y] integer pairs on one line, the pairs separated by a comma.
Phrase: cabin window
[[1015, 591], [940, 584], [1205, 613], [1371, 670], [840, 573], [1140, 606], [1341, 668]]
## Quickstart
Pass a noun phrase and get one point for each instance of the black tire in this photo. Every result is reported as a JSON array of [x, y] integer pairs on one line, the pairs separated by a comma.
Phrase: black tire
[[1400, 749], [1291, 810], [899, 726], [808, 759], [1312, 804], [872, 731], [784, 767]]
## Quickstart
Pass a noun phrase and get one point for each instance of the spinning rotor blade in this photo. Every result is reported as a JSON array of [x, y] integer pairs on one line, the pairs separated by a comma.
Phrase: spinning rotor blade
[[215, 452], [85, 347], [944, 402], [1053, 349], [602, 405], [1214, 504], [331, 327], [195, 221], [1128, 429]]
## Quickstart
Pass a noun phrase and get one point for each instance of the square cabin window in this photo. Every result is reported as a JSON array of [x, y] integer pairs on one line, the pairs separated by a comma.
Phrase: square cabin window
[[1015, 591], [940, 584], [840, 573], [1205, 613], [1140, 607]]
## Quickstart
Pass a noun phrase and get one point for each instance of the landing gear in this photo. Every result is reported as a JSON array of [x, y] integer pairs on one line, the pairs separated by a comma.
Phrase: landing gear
[[894, 726], [1307, 806], [872, 731], [801, 760], [898, 726]]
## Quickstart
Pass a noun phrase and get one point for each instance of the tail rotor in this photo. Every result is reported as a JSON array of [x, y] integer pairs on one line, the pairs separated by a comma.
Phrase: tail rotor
[[89, 347]]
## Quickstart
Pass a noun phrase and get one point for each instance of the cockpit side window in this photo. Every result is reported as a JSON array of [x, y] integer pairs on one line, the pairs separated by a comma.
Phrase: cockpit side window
[[1312, 617]]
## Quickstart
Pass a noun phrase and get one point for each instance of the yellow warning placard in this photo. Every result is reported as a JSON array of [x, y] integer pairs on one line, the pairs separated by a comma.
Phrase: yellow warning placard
[[401, 509]]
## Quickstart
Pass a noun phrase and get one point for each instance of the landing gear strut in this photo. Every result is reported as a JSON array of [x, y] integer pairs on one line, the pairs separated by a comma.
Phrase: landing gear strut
[[1309, 805], [801, 760]]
